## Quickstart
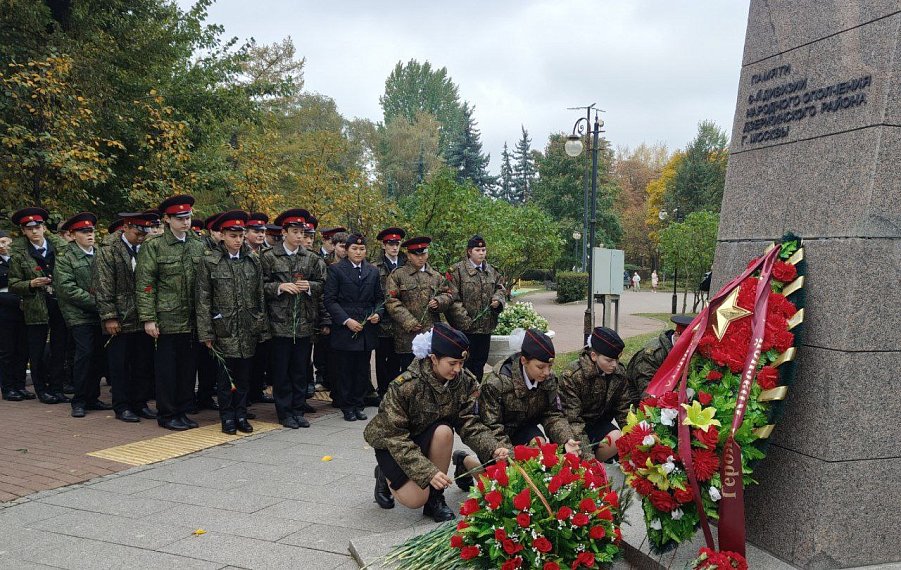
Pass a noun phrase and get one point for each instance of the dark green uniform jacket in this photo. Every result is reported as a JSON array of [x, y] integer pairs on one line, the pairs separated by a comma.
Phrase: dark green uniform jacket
[[590, 396], [473, 292], [416, 400], [409, 291], [74, 288], [645, 363], [386, 325], [165, 279], [230, 304], [23, 267], [505, 404], [114, 285], [294, 315]]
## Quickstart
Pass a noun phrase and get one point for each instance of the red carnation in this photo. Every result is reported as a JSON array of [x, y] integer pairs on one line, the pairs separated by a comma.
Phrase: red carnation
[[709, 438], [704, 398], [148, 288], [523, 499], [469, 552], [768, 378], [605, 514], [783, 341], [581, 519], [571, 460], [511, 547], [683, 496], [549, 460], [551, 566], [649, 402], [392, 293], [500, 534], [456, 541], [618, 534], [706, 463], [714, 375], [587, 506], [662, 501], [642, 486], [785, 272], [747, 293], [523, 520], [564, 513], [612, 499], [585, 559], [38, 268], [597, 532], [462, 524], [512, 564], [542, 544], [640, 458], [752, 263], [494, 499], [661, 453], [469, 506], [524, 453]]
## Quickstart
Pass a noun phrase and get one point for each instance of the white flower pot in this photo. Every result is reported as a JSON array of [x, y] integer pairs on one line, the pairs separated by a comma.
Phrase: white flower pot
[[500, 347]]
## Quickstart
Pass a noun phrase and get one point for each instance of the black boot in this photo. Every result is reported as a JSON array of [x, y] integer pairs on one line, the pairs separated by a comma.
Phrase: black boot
[[437, 508], [465, 483], [382, 492]]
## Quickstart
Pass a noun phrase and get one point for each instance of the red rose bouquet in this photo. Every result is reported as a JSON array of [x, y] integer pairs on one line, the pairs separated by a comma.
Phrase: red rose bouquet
[[723, 380]]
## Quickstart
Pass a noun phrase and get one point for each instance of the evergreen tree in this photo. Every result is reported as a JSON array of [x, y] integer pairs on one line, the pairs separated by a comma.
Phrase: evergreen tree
[[523, 169], [465, 156], [505, 184]]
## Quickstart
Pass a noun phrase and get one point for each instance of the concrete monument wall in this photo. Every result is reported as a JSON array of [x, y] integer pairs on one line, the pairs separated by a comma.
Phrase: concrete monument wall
[[816, 150]]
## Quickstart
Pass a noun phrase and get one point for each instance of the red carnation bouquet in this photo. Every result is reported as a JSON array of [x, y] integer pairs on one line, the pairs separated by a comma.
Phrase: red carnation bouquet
[[544, 509], [719, 395]]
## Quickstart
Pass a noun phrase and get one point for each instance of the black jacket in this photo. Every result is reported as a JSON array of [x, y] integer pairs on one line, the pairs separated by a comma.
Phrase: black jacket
[[347, 296]]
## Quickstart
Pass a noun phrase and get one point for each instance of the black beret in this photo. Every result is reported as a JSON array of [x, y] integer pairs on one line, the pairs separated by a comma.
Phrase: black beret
[[538, 345], [448, 341], [475, 241], [354, 239], [681, 321], [607, 342]]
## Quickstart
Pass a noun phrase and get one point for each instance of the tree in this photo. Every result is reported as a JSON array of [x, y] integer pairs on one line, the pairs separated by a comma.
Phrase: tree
[[701, 177], [633, 170], [415, 88], [524, 169], [504, 190], [408, 153], [465, 155], [689, 246]]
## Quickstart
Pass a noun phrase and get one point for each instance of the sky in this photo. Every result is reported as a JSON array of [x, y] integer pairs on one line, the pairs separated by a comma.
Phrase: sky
[[656, 68]]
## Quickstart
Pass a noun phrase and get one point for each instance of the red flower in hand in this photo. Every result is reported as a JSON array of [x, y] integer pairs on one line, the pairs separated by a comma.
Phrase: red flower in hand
[[525, 452]]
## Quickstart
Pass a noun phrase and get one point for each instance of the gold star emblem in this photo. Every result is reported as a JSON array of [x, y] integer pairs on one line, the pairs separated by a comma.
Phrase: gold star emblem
[[727, 312]]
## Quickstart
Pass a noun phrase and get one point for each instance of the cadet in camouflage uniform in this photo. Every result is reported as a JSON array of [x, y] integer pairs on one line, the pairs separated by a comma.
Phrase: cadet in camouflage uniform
[[259, 375], [129, 351], [387, 362], [293, 280], [645, 363], [207, 369], [165, 282], [230, 310], [327, 248], [413, 431], [113, 232], [595, 391], [31, 274], [13, 348], [74, 268], [416, 294], [256, 232], [479, 297]]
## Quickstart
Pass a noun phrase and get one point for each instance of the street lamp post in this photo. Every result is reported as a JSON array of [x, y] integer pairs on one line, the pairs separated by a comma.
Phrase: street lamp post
[[573, 147], [678, 218]]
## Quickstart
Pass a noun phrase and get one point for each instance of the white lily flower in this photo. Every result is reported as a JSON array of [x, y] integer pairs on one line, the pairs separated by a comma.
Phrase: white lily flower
[[668, 467], [676, 514], [668, 416], [714, 494]]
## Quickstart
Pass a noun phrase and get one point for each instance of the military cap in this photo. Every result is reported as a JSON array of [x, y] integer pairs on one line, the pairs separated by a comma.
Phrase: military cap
[[233, 220], [354, 239], [257, 221], [273, 230], [327, 233], [538, 345], [83, 221], [418, 244], [178, 206], [681, 322], [448, 341], [311, 225], [210, 220], [391, 234], [143, 220], [475, 241], [115, 226], [292, 217], [30, 217], [197, 226], [607, 342], [159, 215]]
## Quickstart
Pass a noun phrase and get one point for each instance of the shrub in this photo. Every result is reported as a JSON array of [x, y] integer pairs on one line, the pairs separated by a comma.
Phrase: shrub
[[571, 286], [519, 316]]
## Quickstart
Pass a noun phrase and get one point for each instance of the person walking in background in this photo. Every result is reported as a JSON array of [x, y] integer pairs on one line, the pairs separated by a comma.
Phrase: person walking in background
[[655, 281], [636, 282]]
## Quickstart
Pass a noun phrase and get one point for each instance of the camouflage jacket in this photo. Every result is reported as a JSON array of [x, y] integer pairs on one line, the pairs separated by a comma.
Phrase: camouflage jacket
[[474, 291], [230, 304], [110, 239], [590, 396], [25, 265], [74, 287], [505, 404], [114, 285], [386, 325], [415, 401], [165, 278], [294, 315], [645, 363], [409, 291]]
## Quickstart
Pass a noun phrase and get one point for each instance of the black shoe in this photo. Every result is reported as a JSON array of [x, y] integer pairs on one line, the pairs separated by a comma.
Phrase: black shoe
[[307, 408], [350, 416], [27, 395], [47, 398], [251, 416], [302, 421], [128, 416], [244, 426], [360, 415], [13, 396], [188, 421], [465, 483], [98, 405], [437, 508], [175, 424], [229, 427], [147, 413], [382, 492], [290, 422], [68, 389], [78, 412], [61, 398], [207, 404]]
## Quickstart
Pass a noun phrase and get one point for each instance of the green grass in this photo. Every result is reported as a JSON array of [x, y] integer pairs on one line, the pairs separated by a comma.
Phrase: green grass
[[633, 345]]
